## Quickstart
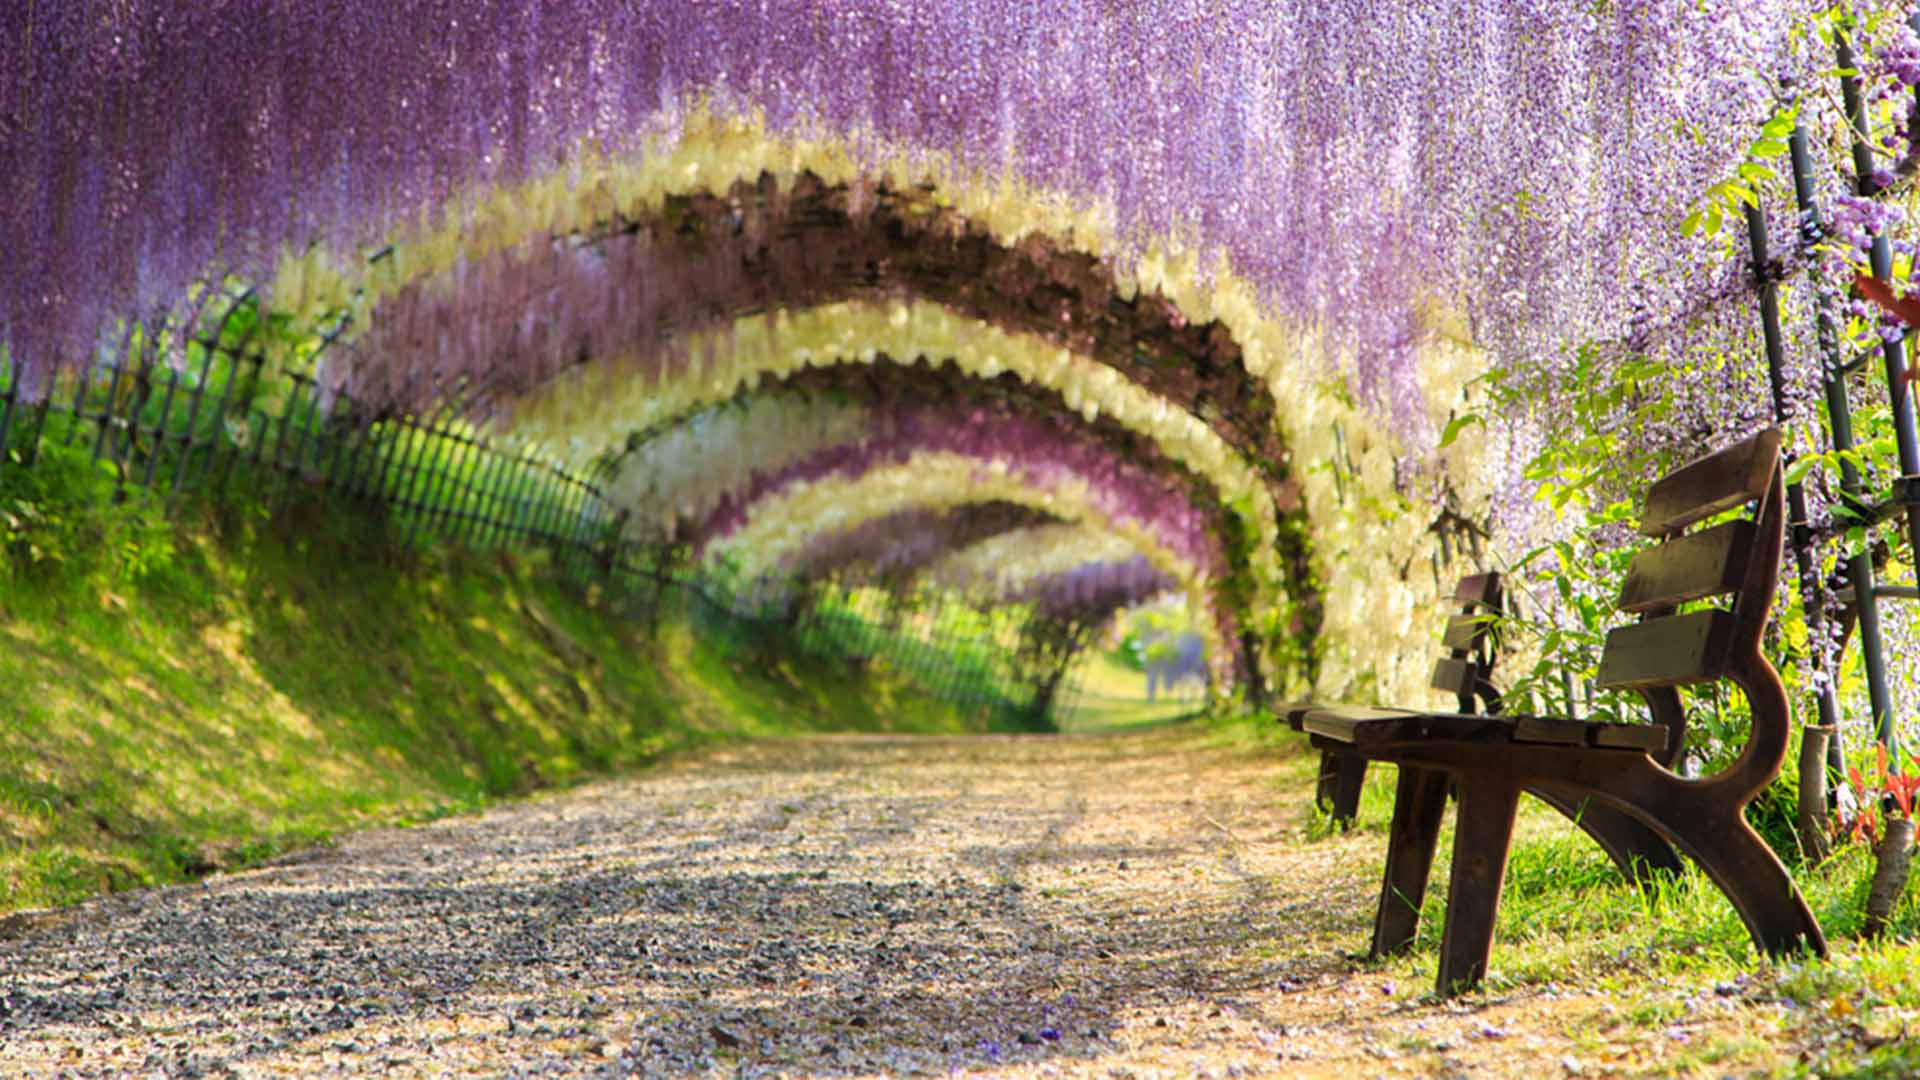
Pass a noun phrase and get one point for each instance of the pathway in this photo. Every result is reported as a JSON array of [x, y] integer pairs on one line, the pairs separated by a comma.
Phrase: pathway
[[1137, 904]]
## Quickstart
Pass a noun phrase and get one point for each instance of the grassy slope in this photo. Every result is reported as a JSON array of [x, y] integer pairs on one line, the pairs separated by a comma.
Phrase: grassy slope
[[283, 681]]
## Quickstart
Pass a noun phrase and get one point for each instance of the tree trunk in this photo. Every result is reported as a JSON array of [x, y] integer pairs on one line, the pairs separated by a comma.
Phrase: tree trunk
[[1811, 823], [1892, 859]]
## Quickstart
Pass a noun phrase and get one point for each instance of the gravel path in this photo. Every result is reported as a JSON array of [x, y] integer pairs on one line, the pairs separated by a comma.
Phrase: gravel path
[[1140, 904]]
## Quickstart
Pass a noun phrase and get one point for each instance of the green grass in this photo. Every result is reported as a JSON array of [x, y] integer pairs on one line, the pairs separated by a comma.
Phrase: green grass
[[271, 683], [1569, 919], [1673, 969], [1109, 696]]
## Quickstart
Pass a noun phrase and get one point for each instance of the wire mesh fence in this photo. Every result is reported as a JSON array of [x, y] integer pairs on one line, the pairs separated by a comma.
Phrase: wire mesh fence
[[226, 410]]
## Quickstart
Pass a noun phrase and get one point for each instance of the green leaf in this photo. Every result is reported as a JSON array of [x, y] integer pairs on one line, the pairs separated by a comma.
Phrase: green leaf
[[1767, 148], [1521, 563], [1799, 469], [1455, 427]]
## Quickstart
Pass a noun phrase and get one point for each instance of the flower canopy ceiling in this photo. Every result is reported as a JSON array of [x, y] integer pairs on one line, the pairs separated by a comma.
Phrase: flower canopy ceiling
[[1206, 276]]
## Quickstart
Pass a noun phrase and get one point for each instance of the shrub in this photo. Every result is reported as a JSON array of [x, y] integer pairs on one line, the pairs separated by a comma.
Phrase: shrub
[[65, 517]]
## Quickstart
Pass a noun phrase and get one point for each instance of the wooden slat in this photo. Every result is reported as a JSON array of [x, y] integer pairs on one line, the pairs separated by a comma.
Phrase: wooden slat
[[1667, 652], [1482, 589], [1558, 732], [1344, 723], [1547, 729], [1714, 483], [1649, 737], [1293, 712], [1708, 563], [1465, 631], [1454, 676], [1357, 713], [1371, 727]]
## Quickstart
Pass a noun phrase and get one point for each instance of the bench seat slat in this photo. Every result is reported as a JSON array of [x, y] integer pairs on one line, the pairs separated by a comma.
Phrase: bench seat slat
[[1547, 729], [1673, 651], [1649, 737], [1362, 727], [1296, 713], [1365, 727], [1293, 712], [1558, 732], [1707, 563]]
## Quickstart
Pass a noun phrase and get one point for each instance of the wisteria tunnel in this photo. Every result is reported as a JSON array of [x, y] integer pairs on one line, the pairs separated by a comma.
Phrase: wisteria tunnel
[[1543, 364], [712, 275], [789, 285]]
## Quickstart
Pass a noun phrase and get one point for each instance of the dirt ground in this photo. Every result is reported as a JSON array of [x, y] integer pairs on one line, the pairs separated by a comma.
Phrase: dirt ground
[[1146, 903]]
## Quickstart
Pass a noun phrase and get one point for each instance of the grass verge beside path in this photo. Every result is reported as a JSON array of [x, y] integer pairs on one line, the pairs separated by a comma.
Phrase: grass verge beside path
[[1673, 968], [272, 683]]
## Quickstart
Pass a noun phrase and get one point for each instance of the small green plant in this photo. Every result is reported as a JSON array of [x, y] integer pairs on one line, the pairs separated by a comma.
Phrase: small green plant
[[69, 518]]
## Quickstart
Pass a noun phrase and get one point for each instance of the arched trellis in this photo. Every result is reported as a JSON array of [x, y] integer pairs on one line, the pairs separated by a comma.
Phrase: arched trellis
[[1023, 561], [787, 520], [1035, 453], [893, 551], [701, 259], [763, 246], [887, 386], [876, 398]]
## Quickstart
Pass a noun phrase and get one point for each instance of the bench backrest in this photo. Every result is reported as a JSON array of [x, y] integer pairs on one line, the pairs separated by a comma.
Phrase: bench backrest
[[1740, 558], [1467, 669]]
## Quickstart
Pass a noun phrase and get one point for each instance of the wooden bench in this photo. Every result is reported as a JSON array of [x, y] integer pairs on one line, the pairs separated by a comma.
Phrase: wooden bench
[[1466, 672], [1622, 769]]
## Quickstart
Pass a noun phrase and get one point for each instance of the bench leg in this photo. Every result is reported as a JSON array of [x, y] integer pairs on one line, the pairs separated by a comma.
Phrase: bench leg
[[1419, 802], [1751, 876], [1643, 855], [1480, 839], [1338, 791]]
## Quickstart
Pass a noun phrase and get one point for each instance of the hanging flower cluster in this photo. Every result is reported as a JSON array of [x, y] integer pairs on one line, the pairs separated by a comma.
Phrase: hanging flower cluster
[[1005, 564], [1851, 229], [783, 524], [159, 141], [1892, 49], [1043, 455], [893, 551], [1091, 593]]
